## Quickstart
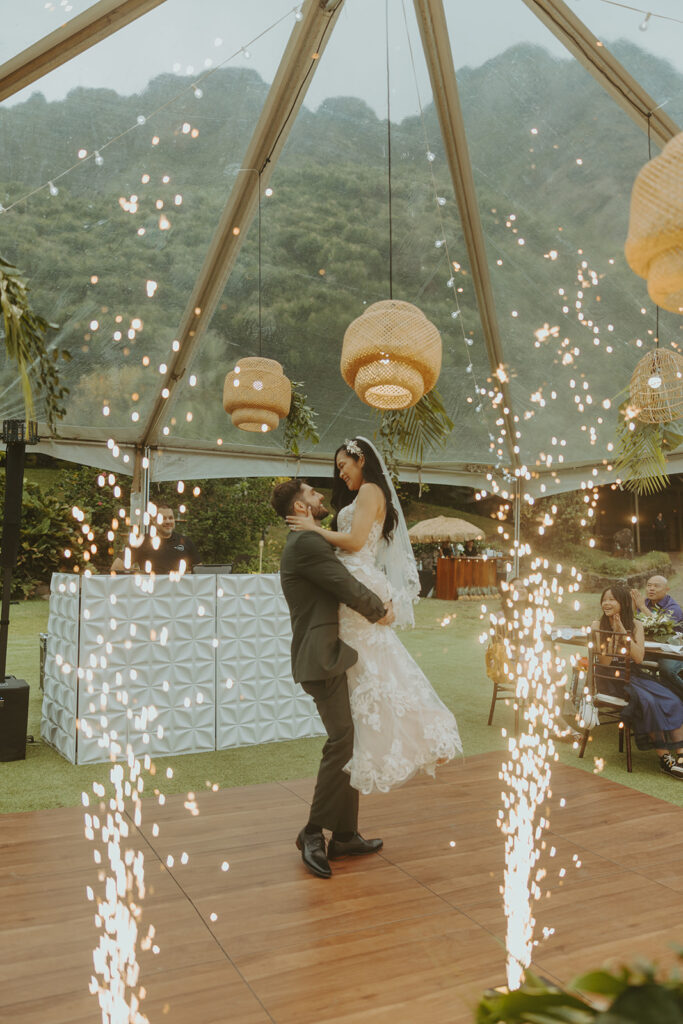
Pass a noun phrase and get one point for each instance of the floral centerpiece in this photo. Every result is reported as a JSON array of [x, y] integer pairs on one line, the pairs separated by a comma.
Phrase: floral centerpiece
[[657, 625]]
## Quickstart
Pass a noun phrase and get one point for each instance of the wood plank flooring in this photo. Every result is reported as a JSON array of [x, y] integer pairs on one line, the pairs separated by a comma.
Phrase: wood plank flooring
[[414, 933]]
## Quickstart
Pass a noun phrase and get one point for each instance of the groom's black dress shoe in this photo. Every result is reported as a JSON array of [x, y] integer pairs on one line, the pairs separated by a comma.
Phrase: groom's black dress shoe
[[354, 847], [312, 846]]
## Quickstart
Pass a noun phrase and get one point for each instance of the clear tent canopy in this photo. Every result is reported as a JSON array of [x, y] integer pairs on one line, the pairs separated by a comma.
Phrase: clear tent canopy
[[185, 185]]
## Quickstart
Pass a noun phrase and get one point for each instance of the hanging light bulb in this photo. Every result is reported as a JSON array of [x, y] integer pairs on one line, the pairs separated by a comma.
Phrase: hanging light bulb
[[99, 160], [54, 191], [644, 23], [656, 388]]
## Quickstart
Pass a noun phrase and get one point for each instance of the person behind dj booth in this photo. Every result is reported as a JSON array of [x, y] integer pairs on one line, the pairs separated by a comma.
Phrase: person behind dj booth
[[173, 549]]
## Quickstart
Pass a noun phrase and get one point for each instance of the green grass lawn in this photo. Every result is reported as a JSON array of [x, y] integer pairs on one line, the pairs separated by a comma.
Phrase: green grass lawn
[[448, 651]]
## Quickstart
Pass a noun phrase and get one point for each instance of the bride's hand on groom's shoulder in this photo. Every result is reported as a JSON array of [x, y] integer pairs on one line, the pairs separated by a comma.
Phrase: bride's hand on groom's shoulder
[[302, 522]]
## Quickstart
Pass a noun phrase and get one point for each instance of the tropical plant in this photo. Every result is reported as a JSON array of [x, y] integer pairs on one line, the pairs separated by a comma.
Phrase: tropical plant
[[410, 432], [641, 448], [48, 532], [300, 421], [629, 995], [24, 336]]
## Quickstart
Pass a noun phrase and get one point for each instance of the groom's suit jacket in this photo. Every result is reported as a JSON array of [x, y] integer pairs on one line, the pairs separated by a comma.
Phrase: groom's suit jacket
[[314, 583]]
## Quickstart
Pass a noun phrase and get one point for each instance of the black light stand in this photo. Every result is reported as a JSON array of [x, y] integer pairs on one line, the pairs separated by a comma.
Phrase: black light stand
[[16, 434]]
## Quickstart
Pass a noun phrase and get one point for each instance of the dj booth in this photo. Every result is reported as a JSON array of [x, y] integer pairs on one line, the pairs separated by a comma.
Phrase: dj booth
[[166, 666]]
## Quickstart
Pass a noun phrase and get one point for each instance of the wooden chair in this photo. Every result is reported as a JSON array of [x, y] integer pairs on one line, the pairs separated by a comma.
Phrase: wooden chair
[[605, 685], [504, 688]]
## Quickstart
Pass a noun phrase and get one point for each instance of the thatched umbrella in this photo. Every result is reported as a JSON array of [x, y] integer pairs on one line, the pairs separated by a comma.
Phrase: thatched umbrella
[[443, 528]]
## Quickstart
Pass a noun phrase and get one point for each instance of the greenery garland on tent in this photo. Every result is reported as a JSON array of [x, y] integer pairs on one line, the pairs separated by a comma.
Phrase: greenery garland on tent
[[641, 451]]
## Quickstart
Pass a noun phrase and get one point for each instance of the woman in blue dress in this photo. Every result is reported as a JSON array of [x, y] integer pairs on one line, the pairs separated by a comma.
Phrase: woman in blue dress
[[654, 713]]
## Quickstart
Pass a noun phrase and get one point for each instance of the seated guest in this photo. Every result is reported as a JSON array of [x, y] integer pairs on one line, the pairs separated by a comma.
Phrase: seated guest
[[654, 713], [470, 549], [659, 598], [447, 551], [172, 550]]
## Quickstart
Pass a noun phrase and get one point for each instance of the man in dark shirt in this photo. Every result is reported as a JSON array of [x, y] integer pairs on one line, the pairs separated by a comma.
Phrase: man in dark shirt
[[172, 550]]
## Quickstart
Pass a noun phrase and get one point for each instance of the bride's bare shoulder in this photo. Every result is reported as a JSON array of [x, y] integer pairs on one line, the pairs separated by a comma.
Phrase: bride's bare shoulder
[[371, 492]]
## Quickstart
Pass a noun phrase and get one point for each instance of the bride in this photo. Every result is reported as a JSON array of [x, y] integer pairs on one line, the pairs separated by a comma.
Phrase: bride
[[400, 724]]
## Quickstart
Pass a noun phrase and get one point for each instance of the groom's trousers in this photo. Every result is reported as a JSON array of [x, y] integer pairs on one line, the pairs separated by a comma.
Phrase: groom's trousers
[[335, 801]]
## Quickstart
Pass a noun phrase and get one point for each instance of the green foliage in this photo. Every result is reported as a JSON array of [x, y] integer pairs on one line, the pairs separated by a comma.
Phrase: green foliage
[[300, 422], [227, 518], [630, 995], [411, 432], [641, 452], [601, 563], [24, 335], [79, 488], [47, 530], [566, 512]]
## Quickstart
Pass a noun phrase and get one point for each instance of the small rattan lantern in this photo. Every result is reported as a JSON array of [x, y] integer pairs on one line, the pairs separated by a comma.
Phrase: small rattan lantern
[[657, 386], [257, 394], [654, 247], [391, 355]]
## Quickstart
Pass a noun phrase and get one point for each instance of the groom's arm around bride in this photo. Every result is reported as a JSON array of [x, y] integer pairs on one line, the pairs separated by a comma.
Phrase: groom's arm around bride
[[314, 583]]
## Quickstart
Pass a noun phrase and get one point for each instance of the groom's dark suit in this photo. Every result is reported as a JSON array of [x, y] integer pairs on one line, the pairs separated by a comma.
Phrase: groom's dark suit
[[314, 583]]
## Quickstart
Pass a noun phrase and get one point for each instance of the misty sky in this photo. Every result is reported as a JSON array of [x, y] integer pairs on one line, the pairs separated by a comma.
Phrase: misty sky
[[190, 36]]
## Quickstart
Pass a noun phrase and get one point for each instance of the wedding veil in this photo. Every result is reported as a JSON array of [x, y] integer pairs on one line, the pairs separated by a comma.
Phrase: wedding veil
[[395, 556]]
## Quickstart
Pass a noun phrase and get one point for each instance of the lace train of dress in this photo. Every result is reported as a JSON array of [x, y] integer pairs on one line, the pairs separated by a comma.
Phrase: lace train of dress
[[401, 725]]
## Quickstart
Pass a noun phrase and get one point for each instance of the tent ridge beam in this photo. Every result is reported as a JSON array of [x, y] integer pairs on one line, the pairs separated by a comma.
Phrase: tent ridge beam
[[60, 46], [431, 19], [593, 55], [285, 98]]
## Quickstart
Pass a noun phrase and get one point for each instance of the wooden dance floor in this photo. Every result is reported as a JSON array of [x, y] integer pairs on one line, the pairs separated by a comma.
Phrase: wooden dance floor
[[412, 934]]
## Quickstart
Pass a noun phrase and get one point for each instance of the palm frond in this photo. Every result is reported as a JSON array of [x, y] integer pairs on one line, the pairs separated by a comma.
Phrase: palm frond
[[411, 432], [640, 457], [24, 337]]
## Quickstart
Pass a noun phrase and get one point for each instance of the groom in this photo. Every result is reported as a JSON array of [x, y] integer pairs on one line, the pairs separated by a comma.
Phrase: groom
[[314, 583]]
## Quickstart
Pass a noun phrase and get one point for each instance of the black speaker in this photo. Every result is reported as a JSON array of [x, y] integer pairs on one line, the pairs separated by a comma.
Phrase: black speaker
[[13, 718]]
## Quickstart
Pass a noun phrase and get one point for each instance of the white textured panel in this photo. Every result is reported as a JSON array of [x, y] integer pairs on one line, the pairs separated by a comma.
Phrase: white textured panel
[[135, 658], [58, 725], [263, 704], [150, 642]]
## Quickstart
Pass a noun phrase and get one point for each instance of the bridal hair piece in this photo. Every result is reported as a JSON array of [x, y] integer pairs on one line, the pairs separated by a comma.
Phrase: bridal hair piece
[[395, 556], [354, 449]]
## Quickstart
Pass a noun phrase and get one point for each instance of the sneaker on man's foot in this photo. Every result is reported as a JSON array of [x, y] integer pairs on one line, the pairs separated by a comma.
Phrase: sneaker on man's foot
[[671, 765]]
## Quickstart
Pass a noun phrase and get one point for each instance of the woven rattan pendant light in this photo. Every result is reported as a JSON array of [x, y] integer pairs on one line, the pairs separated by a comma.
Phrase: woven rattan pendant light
[[256, 394], [391, 355], [654, 247], [656, 388]]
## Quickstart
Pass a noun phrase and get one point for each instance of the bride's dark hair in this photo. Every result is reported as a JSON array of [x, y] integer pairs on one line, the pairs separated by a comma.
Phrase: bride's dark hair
[[372, 474]]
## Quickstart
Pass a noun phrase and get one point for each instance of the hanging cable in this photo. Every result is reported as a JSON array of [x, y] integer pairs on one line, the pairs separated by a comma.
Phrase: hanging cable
[[391, 246], [260, 332], [649, 156]]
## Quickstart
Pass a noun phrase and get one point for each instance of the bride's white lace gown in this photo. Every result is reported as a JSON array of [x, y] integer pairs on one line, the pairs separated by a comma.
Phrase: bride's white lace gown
[[401, 725]]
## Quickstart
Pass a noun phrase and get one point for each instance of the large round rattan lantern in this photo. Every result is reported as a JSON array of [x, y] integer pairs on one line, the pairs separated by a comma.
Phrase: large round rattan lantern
[[391, 355], [654, 247], [257, 394], [656, 389]]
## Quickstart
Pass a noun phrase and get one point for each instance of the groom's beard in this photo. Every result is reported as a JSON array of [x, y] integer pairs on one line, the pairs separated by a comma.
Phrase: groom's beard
[[319, 513]]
